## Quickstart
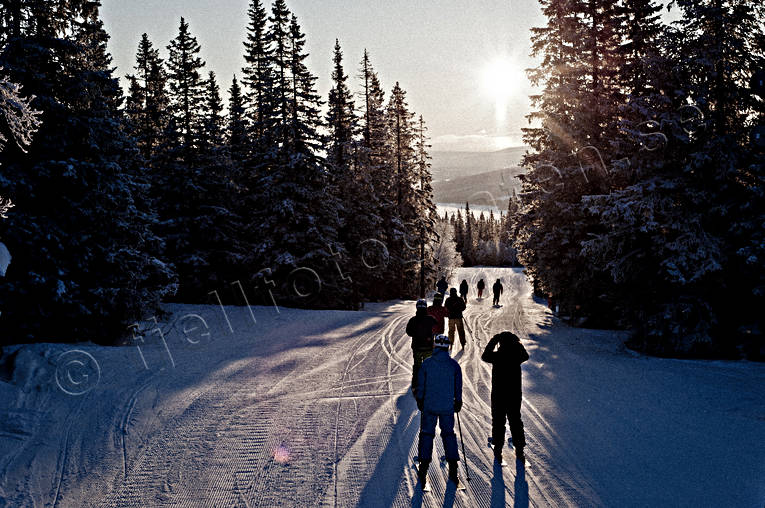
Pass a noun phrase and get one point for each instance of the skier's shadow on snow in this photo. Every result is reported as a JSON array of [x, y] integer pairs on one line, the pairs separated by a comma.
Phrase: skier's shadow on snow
[[521, 487], [497, 487], [521, 496], [450, 495], [383, 485]]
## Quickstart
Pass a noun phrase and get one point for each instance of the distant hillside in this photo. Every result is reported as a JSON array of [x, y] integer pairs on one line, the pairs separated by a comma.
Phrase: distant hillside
[[451, 165], [479, 189]]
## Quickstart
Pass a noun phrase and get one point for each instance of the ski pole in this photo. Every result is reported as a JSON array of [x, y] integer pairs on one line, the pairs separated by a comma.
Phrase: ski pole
[[464, 457], [467, 327]]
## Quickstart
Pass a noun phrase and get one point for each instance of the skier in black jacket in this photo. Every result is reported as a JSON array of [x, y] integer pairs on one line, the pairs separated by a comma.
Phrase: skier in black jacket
[[420, 329], [455, 305], [464, 290], [497, 289], [442, 285], [506, 390]]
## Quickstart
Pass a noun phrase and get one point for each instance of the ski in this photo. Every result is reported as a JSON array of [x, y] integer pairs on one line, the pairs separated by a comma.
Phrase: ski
[[460, 486], [426, 486]]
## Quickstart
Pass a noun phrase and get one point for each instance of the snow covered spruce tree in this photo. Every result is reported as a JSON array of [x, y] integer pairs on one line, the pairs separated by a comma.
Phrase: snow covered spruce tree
[[192, 188], [724, 169], [359, 211], [492, 243], [222, 222], [147, 102], [258, 79], [468, 238], [374, 158], [296, 219], [409, 210], [574, 125], [257, 149], [507, 231], [322, 213], [83, 263], [666, 237], [459, 232], [236, 131], [690, 219], [445, 255], [425, 216]]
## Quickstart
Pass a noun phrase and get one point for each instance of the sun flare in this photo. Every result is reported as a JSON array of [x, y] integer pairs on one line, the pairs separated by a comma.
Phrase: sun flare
[[502, 78]]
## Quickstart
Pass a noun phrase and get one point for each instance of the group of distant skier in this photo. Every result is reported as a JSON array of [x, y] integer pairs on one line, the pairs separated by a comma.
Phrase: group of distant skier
[[437, 378], [497, 289]]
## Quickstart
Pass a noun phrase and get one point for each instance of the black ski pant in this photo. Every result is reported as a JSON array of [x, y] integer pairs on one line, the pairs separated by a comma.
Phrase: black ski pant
[[418, 357], [496, 299], [506, 407]]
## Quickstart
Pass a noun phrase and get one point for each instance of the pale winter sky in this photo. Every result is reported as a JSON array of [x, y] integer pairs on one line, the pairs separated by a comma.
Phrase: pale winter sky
[[439, 50], [461, 62]]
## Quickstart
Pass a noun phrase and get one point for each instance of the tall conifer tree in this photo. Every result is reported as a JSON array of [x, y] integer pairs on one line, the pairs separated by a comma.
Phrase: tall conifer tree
[[236, 128], [186, 84], [359, 211], [79, 172]]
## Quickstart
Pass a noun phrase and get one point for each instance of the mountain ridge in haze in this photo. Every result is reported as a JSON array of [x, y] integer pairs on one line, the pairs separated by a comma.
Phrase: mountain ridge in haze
[[446, 165], [485, 178]]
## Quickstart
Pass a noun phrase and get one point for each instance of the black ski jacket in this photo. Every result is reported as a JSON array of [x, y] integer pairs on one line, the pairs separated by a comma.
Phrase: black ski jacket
[[506, 364], [455, 305], [442, 286], [463, 288], [420, 329], [481, 284], [497, 288]]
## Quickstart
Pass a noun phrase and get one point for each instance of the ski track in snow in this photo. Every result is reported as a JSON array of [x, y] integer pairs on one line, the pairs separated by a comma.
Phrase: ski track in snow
[[306, 408]]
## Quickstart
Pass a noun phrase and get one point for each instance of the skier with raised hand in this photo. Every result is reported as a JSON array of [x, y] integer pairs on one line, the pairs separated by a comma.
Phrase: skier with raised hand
[[420, 329], [439, 397], [506, 391], [455, 305], [497, 289]]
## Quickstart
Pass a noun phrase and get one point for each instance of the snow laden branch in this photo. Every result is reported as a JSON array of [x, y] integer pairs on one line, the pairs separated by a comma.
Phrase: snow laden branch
[[5, 205], [22, 123], [22, 120]]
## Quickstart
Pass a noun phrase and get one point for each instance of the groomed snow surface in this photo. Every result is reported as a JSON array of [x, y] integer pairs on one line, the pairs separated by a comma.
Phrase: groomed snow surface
[[312, 408]]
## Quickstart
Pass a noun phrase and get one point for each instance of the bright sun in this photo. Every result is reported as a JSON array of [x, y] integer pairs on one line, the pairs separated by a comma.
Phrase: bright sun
[[502, 78]]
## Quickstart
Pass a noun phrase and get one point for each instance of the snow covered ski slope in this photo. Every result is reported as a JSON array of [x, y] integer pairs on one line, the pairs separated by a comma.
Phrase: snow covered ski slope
[[312, 408]]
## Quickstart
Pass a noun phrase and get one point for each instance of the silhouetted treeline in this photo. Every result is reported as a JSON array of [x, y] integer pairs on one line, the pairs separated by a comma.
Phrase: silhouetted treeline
[[124, 201]]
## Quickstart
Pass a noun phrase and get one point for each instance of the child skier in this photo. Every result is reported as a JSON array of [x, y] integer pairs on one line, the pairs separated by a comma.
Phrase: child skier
[[506, 391]]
